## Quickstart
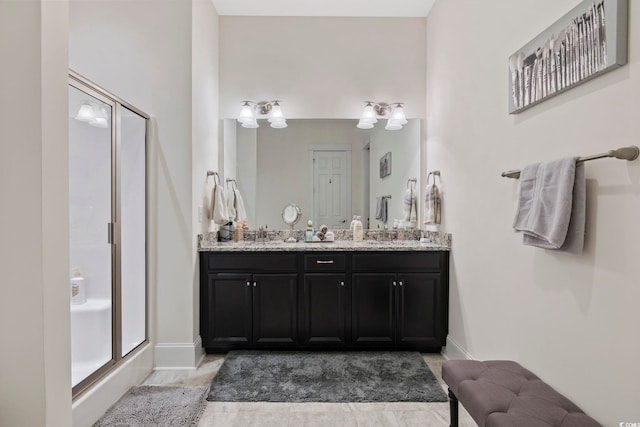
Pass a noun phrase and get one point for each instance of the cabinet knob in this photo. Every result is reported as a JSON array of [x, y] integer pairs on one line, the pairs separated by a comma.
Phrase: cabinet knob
[[341, 283], [394, 283], [401, 283], [255, 284], [248, 283]]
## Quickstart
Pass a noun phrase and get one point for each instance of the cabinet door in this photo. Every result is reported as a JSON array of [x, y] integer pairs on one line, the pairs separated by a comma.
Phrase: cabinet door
[[274, 310], [372, 309], [226, 311], [419, 310], [324, 309]]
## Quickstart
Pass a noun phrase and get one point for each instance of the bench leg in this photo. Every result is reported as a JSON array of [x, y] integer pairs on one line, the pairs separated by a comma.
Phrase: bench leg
[[453, 409]]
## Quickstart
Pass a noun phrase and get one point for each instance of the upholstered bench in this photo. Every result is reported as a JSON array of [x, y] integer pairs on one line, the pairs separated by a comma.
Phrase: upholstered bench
[[501, 393]]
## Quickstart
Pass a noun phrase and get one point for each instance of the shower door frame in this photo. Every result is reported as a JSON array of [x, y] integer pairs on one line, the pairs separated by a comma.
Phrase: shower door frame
[[114, 235]]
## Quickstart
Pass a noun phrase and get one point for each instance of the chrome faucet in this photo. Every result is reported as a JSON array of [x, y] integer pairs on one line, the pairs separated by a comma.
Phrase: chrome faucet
[[262, 234]]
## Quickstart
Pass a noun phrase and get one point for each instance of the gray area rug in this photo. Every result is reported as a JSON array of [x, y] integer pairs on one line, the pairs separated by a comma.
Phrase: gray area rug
[[298, 376], [156, 406]]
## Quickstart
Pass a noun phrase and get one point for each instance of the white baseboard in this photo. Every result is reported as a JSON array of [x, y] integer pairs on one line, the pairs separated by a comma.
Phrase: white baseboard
[[178, 355], [93, 403], [454, 351]]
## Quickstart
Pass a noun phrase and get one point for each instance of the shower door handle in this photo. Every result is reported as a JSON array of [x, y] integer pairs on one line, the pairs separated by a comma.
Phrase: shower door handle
[[110, 233]]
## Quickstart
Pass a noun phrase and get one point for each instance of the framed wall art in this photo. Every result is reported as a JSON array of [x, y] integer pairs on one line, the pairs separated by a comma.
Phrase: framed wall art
[[385, 165], [586, 42]]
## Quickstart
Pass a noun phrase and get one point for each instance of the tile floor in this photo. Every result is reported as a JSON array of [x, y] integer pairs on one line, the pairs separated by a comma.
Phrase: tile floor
[[311, 414]]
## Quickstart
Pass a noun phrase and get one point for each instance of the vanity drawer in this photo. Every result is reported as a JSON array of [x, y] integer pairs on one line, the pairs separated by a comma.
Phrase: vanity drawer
[[325, 262], [397, 261], [234, 261]]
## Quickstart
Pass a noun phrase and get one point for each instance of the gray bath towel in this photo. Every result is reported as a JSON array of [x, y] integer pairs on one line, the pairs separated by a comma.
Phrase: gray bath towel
[[381, 209], [552, 204]]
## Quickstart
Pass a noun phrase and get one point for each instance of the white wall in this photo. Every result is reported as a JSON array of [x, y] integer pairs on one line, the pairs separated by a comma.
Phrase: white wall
[[34, 295], [205, 136], [322, 67], [404, 146], [153, 39], [570, 319]]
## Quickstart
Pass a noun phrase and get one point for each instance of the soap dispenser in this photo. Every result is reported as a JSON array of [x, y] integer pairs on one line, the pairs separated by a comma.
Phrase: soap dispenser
[[308, 234], [357, 230]]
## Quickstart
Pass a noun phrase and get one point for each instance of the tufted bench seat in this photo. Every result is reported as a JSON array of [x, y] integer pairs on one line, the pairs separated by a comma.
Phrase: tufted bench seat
[[501, 393]]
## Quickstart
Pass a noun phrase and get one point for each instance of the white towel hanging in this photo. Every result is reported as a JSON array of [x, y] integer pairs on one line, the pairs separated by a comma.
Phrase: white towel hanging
[[218, 210]]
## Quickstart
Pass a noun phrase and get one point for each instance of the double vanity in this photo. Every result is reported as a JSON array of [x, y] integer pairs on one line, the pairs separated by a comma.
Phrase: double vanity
[[337, 295]]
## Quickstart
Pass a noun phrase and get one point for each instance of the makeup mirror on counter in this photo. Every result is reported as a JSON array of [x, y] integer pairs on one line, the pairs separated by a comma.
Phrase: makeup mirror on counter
[[291, 215], [329, 166]]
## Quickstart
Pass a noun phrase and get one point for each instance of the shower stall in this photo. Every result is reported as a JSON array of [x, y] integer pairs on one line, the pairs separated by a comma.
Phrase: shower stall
[[107, 222]]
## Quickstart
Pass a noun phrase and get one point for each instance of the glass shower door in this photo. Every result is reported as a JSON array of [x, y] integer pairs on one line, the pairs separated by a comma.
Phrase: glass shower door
[[132, 155], [90, 227]]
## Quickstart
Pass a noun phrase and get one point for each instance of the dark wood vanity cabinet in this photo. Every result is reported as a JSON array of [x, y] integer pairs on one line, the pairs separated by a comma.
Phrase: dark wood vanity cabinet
[[324, 300], [390, 310], [249, 301]]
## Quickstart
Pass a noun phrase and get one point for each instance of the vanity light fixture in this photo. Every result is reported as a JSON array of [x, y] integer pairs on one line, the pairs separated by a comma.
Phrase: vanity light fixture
[[271, 110], [373, 110]]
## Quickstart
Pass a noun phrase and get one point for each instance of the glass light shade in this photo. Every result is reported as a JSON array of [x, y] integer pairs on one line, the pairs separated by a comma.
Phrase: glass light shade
[[99, 122], [246, 114], [393, 125], [85, 113], [250, 124], [365, 125], [276, 113], [279, 124], [368, 115], [398, 115]]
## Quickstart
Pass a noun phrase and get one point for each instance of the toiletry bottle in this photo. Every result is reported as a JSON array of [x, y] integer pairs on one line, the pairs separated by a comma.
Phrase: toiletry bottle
[[357, 230], [353, 221], [78, 291], [308, 234]]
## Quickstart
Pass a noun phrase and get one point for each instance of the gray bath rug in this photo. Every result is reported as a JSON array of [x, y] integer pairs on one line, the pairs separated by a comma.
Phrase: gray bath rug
[[298, 376], [156, 406]]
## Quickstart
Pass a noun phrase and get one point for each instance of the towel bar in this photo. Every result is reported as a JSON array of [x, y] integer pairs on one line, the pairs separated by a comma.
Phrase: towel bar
[[624, 153]]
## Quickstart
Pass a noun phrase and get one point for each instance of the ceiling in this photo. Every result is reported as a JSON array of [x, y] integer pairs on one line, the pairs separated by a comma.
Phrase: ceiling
[[363, 8]]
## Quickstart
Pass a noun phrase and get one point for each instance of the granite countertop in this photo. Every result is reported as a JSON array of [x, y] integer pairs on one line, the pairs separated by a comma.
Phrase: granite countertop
[[436, 241], [338, 245]]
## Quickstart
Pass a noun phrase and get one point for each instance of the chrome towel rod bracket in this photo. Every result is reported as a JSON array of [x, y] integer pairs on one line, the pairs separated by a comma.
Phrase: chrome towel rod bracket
[[625, 153]]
